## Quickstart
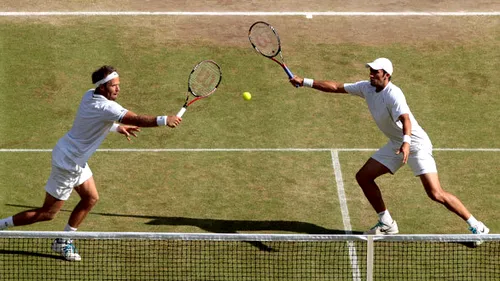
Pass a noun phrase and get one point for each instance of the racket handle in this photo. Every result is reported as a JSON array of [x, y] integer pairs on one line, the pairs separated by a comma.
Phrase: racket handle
[[181, 112], [289, 73]]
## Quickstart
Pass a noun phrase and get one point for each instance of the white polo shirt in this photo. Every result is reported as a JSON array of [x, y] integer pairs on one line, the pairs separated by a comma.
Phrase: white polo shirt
[[386, 106], [93, 120]]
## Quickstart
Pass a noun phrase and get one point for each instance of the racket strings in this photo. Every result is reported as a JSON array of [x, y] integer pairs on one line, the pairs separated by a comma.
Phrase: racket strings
[[265, 40], [204, 79]]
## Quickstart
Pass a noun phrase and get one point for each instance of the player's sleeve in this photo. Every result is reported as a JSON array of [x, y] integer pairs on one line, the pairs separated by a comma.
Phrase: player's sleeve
[[113, 112], [397, 105], [356, 89]]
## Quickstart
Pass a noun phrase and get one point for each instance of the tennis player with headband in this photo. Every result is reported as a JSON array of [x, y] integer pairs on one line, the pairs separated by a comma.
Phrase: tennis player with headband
[[408, 143], [98, 114]]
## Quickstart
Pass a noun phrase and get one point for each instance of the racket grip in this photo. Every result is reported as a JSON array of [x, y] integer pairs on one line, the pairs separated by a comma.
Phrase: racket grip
[[289, 73], [181, 112]]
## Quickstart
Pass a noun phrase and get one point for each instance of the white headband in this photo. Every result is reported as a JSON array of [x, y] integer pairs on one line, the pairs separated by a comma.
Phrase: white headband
[[106, 79]]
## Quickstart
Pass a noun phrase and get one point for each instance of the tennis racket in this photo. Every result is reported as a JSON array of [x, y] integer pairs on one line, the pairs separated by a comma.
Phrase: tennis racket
[[203, 81], [265, 40]]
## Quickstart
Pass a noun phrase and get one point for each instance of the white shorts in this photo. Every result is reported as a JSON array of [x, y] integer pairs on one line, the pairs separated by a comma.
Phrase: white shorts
[[65, 175], [421, 161]]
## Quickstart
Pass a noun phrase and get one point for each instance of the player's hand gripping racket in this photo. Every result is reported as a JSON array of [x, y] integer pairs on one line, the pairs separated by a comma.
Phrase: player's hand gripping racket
[[266, 41], [203, 81]]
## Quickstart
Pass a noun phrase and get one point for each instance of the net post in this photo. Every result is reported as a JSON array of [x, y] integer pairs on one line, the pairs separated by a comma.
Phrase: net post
[[369, 258]]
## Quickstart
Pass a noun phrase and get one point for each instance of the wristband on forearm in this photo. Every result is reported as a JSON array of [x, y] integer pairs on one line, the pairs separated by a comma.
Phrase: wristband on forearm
[[308, 82], [161, 120], [407, 138]]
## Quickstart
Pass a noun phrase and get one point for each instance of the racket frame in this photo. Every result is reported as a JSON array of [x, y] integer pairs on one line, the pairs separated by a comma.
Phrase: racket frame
[[272, 57], [191, 92]]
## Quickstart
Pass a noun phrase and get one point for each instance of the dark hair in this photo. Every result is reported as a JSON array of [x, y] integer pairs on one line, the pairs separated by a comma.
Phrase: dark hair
[[102, 72], [385, 72]]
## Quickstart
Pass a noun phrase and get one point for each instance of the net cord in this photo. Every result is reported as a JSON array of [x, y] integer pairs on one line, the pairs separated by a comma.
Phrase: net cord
[[247, 237]]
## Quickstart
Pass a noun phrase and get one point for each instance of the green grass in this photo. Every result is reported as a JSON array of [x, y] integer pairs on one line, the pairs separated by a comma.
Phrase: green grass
[[46, 66], [256, 188], [449, 88]]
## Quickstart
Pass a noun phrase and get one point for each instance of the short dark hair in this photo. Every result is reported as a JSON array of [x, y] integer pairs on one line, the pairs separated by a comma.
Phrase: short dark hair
[[390, 76], [102, 72]]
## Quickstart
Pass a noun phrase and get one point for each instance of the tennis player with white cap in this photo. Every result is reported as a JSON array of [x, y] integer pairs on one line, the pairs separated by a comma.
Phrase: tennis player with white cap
[[98, 114], [408, 143]]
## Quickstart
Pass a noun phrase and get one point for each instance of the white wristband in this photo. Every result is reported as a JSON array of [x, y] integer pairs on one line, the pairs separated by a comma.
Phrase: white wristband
[[114, 128], [308, 82], [161, 120], [407, 138]]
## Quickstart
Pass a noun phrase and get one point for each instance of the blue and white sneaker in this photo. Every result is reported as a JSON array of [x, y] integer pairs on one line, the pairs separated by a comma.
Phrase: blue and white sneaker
[[66, 248], [4, 226], [479, 228], [383, 229]]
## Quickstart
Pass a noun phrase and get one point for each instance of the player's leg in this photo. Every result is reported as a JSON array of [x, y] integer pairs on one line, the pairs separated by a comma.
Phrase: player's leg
[[88, 198], [88, 194], [365, 177], [58, 189], [51, 206], [432, 186], [434, 190], [424, 166]]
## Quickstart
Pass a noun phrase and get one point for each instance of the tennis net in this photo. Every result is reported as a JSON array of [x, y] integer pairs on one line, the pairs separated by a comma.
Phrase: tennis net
[[182, 256]]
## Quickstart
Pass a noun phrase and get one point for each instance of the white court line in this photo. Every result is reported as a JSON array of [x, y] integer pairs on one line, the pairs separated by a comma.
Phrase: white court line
[[245, 149], [341, 192], [305, 14], [353, 257]]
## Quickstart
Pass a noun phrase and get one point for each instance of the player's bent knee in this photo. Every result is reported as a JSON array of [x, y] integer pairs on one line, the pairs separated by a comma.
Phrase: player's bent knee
[[51, 216], [437, 196], [360, 179], [91, 201], [363, 178]]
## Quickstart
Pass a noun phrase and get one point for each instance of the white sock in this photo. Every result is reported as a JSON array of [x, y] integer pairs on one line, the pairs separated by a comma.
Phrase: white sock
[[472, 221], [69, 228], [385, 217], [5, 223]]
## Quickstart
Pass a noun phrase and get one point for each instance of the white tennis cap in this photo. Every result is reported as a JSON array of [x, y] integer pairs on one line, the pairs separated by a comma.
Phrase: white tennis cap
[[381, 63]]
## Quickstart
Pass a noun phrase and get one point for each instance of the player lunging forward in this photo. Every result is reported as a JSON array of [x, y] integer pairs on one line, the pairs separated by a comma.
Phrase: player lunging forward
[[408, 143], [97, 115]]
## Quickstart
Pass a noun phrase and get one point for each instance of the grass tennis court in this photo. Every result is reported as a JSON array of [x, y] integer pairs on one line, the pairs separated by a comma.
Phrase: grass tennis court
[[46, 66], [267, 192], [447, 68]]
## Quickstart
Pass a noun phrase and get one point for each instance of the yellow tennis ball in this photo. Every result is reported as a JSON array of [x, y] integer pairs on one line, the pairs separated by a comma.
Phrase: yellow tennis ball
[[247, 96]]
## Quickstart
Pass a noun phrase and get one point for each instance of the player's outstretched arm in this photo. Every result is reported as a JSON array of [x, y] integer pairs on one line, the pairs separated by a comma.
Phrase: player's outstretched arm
[[324, 86], [131, 118]]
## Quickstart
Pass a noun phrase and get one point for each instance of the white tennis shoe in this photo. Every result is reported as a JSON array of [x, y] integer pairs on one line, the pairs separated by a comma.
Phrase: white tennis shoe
[[383, 229], [479, 228], [66, 248]]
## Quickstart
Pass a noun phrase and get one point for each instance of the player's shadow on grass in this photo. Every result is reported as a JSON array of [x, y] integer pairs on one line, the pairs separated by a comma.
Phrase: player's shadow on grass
[[235, 226], [31, 254], [226, 226]]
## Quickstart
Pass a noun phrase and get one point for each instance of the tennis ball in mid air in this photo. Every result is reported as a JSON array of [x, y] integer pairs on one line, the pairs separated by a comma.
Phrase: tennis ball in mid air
[[247, 96]]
